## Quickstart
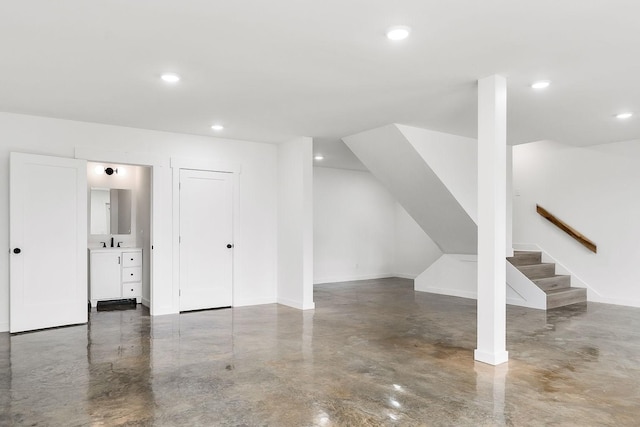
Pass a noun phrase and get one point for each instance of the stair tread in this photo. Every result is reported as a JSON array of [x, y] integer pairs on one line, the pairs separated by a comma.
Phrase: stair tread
[[526, 252], [540, 263], [565, 290], [551, 277], [563, 297]]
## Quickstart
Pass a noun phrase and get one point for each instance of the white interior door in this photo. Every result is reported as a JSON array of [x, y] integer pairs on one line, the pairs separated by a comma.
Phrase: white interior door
[[48, 238], [206, 239]]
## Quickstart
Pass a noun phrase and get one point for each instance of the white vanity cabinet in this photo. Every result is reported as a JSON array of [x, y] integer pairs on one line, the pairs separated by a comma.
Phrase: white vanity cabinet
[[115, 273]]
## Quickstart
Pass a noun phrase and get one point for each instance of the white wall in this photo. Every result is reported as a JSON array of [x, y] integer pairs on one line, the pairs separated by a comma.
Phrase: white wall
[[392, 154], [414, 249], [595, 190], [361, 232], [256, 248], [354, 226], [295, 224], [454, 159]]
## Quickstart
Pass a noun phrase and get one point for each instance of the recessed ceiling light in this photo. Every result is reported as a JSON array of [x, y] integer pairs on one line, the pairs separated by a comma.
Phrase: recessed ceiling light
[[623, 115], [542, 84], [398, 32], [170, 77], [217, 127], [319, 157]]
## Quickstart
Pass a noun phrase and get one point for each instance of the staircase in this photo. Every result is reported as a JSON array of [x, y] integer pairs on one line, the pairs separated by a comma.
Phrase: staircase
[[557, 287]]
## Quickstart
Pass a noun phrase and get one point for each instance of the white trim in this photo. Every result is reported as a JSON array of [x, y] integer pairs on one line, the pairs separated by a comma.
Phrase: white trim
[[296, 304], [156, 163], [255, 301], [405, 275], [337, 279], [491, 358], [531, 296], [132, 158], [205, 165], [593, 296], [450, 292], [146, 302]]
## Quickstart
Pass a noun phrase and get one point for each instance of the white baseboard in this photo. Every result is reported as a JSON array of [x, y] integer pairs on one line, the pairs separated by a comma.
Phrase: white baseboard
[[4, 326], [592, 296], [491, 358], [164, 310], [336, 279], [450, 292], [254, 301], [146, 302], [405, 276], [296, 304]]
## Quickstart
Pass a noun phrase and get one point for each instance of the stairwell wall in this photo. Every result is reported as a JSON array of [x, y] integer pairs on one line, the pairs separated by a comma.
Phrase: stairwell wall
[[362, 232], [595, 190]]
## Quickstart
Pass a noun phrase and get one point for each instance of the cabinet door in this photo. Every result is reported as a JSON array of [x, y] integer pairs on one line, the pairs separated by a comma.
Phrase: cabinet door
[[105, 276]]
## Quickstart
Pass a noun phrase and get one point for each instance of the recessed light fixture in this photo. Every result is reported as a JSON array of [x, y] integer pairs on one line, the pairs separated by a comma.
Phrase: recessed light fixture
[[217, 127], [624, 115], [542, 84], [398, 32], [318, 157], [170, 77]]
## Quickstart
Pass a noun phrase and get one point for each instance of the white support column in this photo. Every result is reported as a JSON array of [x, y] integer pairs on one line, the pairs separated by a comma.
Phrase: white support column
[[492, 209]]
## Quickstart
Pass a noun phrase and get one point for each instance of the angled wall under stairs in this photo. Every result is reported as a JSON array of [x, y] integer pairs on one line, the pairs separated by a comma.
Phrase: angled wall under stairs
[[557, 287]]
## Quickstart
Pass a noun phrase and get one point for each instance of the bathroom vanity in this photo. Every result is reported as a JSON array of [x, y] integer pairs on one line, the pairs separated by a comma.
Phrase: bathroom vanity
[[115, 273]]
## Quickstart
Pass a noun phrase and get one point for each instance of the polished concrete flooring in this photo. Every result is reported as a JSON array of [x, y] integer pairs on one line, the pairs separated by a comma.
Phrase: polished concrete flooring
[[371, 353]]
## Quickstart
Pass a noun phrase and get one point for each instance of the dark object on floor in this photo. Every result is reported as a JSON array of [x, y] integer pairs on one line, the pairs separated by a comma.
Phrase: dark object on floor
[[117, 305]]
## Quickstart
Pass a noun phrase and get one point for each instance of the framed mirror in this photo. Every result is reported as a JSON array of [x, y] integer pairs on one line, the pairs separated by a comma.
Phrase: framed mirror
[[110, 211]]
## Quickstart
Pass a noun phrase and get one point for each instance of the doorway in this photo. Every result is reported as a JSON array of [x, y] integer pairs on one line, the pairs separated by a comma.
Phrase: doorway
[[119, 232]]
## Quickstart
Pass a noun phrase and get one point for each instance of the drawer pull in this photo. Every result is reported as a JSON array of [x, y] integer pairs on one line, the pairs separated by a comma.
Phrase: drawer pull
[[132, 274]]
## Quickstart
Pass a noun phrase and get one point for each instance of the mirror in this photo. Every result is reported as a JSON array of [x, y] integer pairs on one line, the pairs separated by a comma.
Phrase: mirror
[[110, 211]]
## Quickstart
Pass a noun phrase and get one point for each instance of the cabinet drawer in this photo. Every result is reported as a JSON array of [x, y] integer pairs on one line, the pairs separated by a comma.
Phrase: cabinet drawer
[[131, 259], [132, 274], [132, 290]]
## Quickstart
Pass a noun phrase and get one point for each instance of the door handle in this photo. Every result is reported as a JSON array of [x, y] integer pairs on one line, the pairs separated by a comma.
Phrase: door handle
[[229, 246], [17, 251]]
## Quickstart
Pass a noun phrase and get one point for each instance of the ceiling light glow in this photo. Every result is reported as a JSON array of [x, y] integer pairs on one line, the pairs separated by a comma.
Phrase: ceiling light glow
[[170, 77], [624, 115], [398, 32], [542, 84], [99, 169], [217, 127], [319, 157]]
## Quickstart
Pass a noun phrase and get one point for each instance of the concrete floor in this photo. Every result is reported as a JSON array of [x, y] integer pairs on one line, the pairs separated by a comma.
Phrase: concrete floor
[[371, 353]]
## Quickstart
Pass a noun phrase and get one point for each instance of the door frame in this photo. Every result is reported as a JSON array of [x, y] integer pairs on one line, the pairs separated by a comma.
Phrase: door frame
[[179, 163], [160, 299]]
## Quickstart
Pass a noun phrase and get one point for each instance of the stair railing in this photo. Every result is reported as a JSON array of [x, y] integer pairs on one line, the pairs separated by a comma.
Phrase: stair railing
[[567, 229]]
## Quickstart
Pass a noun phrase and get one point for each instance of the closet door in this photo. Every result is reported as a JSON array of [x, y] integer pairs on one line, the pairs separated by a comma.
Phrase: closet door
[[206, 239], [48, 238]]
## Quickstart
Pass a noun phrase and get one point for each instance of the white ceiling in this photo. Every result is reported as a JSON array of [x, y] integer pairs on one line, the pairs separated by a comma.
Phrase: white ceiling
[[273, 70]]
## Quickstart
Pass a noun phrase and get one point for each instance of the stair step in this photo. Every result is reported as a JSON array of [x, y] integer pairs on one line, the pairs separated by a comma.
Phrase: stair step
[[525, 258], [558, 281], [538, 271], [568, 296]]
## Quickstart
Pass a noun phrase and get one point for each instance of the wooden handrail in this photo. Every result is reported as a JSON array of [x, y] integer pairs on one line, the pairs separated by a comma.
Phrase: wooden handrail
[[567, 229]]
